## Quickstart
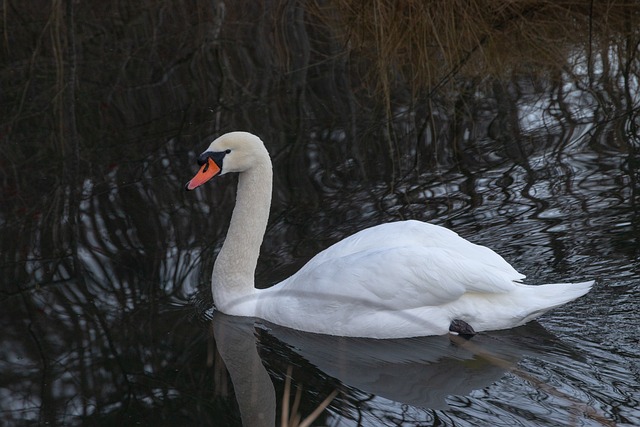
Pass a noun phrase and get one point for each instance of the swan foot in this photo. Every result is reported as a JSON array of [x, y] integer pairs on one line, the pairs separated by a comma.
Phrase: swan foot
[[462, 328]]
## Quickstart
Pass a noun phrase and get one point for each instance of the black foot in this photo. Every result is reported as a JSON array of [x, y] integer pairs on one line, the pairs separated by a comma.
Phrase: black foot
[[462, 328]]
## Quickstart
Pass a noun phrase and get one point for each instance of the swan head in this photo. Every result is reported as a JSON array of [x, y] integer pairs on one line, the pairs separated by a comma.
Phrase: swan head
[[231, 152]]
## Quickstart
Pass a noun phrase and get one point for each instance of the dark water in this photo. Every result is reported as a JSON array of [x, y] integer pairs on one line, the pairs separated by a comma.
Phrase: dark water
[[104, 271]]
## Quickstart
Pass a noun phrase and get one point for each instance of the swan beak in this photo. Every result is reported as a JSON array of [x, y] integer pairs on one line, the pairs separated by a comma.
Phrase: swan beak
[[206, 172]]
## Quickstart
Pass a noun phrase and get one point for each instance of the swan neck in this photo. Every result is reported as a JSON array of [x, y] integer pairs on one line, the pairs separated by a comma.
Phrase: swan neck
[[234, 270]]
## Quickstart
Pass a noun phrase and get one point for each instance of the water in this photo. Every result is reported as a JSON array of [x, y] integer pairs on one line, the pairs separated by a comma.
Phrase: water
[[105, 260]]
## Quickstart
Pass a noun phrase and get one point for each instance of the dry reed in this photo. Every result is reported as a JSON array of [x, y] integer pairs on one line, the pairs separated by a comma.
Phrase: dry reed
[[291, 417], [430, 43]]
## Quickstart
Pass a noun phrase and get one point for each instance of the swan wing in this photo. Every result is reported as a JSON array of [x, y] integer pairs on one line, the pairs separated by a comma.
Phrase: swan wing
[[418, 235], [398, 278]]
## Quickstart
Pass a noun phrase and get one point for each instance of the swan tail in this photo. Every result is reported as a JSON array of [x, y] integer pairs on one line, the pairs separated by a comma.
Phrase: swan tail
[[485, 312], [538, 299], [552, 295], [557, 294]]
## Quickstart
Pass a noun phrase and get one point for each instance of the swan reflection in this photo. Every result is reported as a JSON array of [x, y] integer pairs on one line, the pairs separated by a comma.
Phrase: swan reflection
[[424, 373]]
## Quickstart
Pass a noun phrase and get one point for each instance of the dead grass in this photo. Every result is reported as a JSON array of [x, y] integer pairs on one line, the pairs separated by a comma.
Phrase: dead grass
[[427, 44]]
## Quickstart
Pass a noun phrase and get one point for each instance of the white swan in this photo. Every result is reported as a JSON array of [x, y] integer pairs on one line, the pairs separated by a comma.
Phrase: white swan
[[396, 280]]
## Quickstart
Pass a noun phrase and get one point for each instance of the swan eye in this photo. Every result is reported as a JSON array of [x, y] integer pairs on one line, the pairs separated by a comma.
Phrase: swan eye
[[227, 151]]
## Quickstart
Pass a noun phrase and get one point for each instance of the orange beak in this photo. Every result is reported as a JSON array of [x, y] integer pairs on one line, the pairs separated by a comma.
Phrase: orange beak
[[206, 172]]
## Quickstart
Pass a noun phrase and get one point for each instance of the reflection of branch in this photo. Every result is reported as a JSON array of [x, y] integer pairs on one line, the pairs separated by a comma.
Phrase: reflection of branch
[[45, 382], [32, 63], [112, 347], [69, 132], [35, 287], [576, 409]]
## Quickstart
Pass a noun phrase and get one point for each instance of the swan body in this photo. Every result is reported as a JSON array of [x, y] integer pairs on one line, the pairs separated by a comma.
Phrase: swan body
[[395, 280]]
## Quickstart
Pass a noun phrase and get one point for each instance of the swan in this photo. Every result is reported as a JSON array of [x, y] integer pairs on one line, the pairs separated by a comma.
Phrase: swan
[[396, 280]]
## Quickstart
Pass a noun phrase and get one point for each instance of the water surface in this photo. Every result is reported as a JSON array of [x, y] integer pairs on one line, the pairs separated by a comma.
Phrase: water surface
[[105, 260]]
